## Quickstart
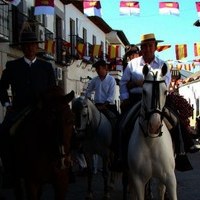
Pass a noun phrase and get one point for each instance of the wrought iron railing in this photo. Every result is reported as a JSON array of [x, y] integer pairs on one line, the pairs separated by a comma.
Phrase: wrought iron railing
[[4, 33]]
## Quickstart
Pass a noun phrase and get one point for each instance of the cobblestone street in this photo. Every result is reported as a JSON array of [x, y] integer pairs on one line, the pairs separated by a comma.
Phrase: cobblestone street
[[188, 185]]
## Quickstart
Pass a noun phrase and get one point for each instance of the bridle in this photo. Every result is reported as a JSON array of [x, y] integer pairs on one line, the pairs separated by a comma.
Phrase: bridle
[[155, 106]]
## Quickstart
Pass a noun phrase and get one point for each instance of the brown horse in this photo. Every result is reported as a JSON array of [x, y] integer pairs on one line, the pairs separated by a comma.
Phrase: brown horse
[[42, 146]]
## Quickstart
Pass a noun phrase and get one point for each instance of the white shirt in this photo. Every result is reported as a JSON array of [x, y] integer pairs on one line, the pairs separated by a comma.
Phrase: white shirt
[[104, 89], [133, 71], [29, 61]]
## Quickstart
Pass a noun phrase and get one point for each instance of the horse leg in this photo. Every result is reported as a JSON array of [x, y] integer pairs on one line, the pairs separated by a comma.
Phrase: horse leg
[[148, 192], [161, 189], [19, 189], [32, 191], [61, 184], [106, 178], [89, 160], [137, 189], [125, 184], [171, 187]]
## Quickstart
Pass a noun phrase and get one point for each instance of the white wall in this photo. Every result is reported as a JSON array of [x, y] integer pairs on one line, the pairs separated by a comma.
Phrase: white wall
[[191, 93], [83, 22]]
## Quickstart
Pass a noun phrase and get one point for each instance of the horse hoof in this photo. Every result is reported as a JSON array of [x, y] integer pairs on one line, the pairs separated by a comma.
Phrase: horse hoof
[[89, 196]]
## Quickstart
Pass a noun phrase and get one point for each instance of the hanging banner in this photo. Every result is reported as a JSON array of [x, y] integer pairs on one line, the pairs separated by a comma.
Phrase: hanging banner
[[92, 8], [198, 8], [197, 49], [163, 47], [96, 50], [113, 51], [129, 8], [169, 8], [44, 7], [181, 51]]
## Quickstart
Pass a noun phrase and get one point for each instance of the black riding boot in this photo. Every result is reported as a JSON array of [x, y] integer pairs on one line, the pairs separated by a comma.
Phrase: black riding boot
[[181, 160]]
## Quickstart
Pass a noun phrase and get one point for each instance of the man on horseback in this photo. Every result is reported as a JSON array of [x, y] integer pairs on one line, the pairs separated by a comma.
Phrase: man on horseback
[[28, 78], [131, 92], [104, 86]]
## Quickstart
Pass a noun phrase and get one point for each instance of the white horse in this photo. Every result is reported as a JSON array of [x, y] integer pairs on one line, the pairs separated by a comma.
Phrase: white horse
[[96, 133], [150, 149]]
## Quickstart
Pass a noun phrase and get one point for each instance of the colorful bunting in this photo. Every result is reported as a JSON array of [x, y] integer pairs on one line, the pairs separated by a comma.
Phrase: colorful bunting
[[181, 51], [113, 51], [163, 47], [129, 8], [92, 8], [169, 8], [96, 50], [44, 7]]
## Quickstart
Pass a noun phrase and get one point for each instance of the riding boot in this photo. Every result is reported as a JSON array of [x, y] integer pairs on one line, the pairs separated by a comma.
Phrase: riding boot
[[6, 152], [182, 162]]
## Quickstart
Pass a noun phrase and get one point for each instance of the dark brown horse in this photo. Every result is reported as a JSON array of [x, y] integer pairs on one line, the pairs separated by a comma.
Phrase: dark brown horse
[[42, 146]]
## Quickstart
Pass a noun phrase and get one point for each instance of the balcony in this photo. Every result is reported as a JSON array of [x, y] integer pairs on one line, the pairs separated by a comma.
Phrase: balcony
[[4, 33]]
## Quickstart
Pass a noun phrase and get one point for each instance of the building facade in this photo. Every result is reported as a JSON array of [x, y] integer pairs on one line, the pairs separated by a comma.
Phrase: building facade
[[61, 33]]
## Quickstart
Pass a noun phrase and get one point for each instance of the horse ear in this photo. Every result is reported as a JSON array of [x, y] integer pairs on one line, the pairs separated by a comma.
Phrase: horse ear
[[145, 70], [69, 96], [164, 69]]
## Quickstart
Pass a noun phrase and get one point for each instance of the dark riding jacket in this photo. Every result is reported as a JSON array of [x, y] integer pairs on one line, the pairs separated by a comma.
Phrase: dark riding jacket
[[27, 82]]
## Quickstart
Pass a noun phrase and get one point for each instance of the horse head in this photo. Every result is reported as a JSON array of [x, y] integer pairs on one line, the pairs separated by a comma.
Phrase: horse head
[[154, 97], [82, 113]]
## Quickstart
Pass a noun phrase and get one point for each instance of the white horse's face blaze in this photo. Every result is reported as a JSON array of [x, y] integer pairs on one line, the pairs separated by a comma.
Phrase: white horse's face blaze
[[153, 100], [84, 117]]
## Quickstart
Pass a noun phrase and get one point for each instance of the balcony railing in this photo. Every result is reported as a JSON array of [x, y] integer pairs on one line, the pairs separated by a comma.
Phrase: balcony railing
[[4, 36], [17, 23]]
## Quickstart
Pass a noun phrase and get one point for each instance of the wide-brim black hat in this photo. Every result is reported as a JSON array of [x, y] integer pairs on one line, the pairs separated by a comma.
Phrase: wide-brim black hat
[[28, 37]]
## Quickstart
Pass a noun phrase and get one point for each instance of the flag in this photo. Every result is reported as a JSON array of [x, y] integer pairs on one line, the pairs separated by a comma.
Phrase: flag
[[67, 44], [129, 8], [80, 47], [198, 8], [197, 49], [179, 66], [96, 50], [188, 67], [163, 47], [13, 2], [113, 51], [49, 46], [181, 51], [169, 8], [45, 7], [92, 8]]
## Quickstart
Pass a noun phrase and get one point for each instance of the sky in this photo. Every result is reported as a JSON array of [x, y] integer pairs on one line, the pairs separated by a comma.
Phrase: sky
[[170, 28]]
